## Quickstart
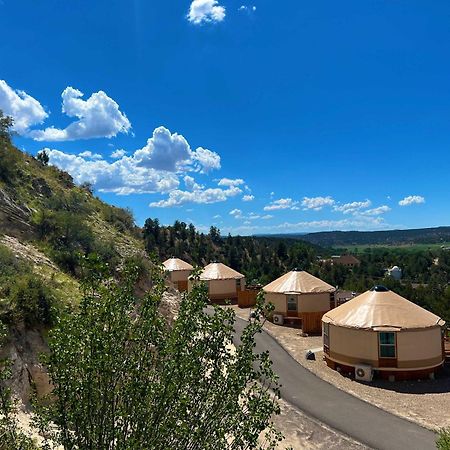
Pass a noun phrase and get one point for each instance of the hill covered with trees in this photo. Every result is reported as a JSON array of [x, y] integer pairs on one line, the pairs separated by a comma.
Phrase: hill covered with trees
[[47, 225], [391, 237], [260, 259]]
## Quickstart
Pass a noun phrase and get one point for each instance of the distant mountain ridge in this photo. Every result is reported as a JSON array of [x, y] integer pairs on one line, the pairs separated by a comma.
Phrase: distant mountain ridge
[[390, 237]]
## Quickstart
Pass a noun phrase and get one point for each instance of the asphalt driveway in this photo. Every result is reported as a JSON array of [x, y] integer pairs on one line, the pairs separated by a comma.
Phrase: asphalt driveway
[[343, 412]]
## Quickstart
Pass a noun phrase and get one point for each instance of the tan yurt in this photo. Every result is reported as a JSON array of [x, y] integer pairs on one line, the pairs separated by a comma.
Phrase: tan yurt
[[178, 272], [380, 332], [223, 282], [300, 299]]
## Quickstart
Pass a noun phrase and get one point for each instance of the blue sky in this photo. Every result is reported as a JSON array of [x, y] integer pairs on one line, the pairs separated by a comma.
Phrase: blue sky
[[256, 116]]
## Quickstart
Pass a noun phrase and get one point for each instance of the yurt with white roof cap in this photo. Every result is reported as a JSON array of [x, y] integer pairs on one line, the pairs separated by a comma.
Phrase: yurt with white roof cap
[[380, 332], [178, 272]]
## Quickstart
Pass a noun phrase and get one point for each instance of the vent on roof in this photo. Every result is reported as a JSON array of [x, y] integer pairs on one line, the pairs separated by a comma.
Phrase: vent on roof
[[380, 288], [296, 269]]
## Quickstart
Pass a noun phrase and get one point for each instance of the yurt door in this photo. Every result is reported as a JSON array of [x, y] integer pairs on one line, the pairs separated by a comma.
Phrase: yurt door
[[292, 306]]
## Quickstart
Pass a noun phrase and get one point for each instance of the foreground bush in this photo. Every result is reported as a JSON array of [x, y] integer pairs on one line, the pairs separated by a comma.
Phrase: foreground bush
[[124, 379], [443, 442]]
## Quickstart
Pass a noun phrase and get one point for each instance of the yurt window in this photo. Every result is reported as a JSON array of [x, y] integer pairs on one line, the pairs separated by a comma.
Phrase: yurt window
[[292, 304], [326, 335], [387, 345]]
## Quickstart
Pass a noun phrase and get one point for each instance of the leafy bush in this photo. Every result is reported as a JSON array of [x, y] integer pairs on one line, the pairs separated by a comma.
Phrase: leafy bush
[[124, 378], [443, 442], [121, 218], [32, 301]]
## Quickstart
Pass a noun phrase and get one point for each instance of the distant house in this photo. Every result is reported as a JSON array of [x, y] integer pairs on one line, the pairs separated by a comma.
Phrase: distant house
[[224, 283], [342, 297], [394, 272], [301, 299], [383, 332], [178, 272], [346, 260]]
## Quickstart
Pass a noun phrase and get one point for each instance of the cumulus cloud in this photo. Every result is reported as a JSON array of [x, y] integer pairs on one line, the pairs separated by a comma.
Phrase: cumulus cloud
[[121, 177], [172, 153], [231, 182], [98, 117], [191, 184], [204, 196], [248, 198], [282, 203], [153, 168], [118, 153], [353, 207], [207, 159], [206, 11], [375, 211], [24, 109], [236, 213], [89, 155], [165, 151], [361, 223], [411, 200], [316, 203]]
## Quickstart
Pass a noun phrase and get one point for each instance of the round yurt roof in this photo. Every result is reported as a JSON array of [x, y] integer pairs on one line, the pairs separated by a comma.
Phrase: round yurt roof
[[381, 309], [174, 264], [298, 282], [219, 271]]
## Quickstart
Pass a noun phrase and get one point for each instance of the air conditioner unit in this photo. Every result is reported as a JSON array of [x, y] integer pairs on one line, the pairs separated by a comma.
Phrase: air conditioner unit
[[363, 372], [278, 319]]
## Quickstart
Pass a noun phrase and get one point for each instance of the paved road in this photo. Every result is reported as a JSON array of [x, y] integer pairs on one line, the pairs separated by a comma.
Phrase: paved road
[[343, 412]]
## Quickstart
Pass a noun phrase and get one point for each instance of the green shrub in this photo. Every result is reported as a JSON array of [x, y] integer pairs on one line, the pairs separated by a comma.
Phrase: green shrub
[[121, 218], [32, 301], [443, 442]]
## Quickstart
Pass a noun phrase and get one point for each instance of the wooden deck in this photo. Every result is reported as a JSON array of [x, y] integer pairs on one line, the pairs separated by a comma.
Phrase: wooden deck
[[447, 349]]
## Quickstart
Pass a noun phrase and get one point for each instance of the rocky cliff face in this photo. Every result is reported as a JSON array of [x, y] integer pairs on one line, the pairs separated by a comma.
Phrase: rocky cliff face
[[29, 377], [14, 218]]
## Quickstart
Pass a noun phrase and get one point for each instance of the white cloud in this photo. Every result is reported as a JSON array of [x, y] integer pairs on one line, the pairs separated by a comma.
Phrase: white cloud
[[121, 177], [203, 196], [191, 184], [207, 159], [353, 207], [24, 109], [204, 11], [165, 151], [98, 116], [157, 167], [247, 8], [316, 203], [412, 199], [89, 155], [171, 152], [282, 203], [361, 223], [236, 213], [248, 198], [118, 153], [230, 182], [375, 211]]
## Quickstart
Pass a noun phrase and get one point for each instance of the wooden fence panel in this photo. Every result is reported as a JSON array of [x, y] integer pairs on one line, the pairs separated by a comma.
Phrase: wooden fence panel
[[312, 322], [247, 299]]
